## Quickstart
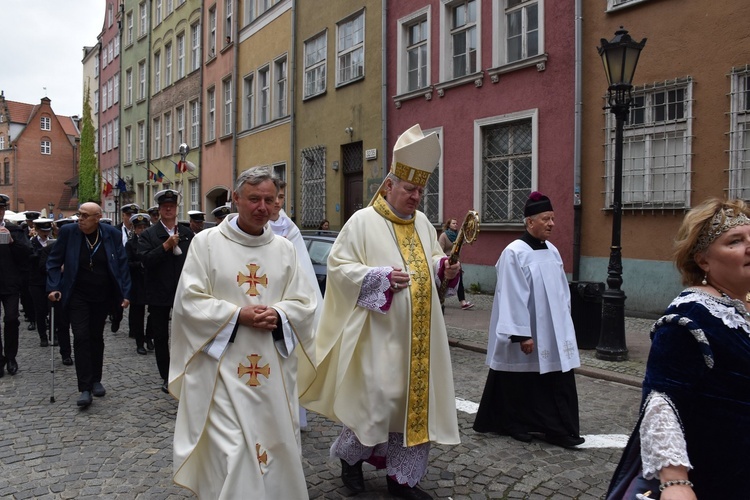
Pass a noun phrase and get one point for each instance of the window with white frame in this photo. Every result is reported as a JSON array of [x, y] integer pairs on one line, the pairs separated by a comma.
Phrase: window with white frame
[[739, 133], [104, 138], [96, 140], [350, 49], [156, 134], [128, 144], [413, 42], [249, 102], [227, 91], [141, 80], [463, 41], [313, 185], [656, 158], [507, 149], [96, 65], [110, 93], [128, 87], [46, 146], [613, 4], [180, 118], [96, 101], [279, 74], [46, 123], [2, 142], [104, 56], [167, 64], [104, 96], [116, 133], [521, 30], [170, 7], [157, 71], [110, 137], [194, 194], [228, 10], [143, 19], [111, 48], [264, 95], [195, 121], [315, 65], [141, 141], [254, 8], [212, 32], [117, 45], [110, 15], [211, 114], [129, 28], [116, 88], [195, 47], [180, 55], [430, 204], [167, 133], [158, 12]]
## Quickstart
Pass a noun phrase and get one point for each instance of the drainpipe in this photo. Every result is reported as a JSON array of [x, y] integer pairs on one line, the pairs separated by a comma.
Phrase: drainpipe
[[384, 87], [236, 104], [292, 117], [577, 142]]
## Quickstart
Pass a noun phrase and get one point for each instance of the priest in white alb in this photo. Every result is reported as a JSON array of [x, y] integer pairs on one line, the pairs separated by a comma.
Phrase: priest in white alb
[[242, 307]]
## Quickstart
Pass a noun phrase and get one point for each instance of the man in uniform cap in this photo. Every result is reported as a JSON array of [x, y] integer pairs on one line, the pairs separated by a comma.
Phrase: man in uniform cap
[[37, 277], [381, 303], [125, 226], [137, 316], [27, 301], [532, 347], [163, 248], [14, 254], [197, 218], [153, 212], [219, 213]]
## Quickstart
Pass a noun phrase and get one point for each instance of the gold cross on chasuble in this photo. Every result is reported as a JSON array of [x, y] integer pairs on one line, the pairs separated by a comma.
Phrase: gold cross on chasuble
[[253, 370], [417, 407], [253, 279], [262, 458]]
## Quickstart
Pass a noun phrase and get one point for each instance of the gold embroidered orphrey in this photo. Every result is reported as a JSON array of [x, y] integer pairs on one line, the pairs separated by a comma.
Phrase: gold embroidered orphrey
[[253, 279], [262, 458], [412, 252], [253, 370]]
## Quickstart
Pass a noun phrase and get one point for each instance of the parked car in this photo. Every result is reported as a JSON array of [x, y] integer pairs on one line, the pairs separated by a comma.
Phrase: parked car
[[319, 245]]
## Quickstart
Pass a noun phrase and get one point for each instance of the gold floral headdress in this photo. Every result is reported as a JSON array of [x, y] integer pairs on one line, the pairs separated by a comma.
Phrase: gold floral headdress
[[722, 221]]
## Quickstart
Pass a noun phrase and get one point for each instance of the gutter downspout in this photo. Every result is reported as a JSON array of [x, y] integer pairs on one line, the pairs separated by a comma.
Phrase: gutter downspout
[[577, 141], [384, 86], [292, 118], [235, 104]]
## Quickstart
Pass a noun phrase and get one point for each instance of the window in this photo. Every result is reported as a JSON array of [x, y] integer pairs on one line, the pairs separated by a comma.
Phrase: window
[[96, 140], [2, 142], [264, 96], [249, 96], [96, 65], [141, 141], [110, 15], [313, 185], [6, 171], [104, 96], [416, 56], [143, 16], [111, 48], [508, 161], [351, 49], [142, 80], [158, 12], [157, 72], [156, 133], [128, 145], [110, 93], [315, 65], [167, 64], [104, 138], [212, 32], [110, 136], [194, 194], [104, 57], [167, 134], [430, 204], [463, 38], [656, 147], [254, 8], [129, 28], [195, 36], [228, 20], [117, 45], [180, 138], [180, 55], [96, 101], [195, 120], [46, 123], [128, 87], [522, 34], [46, 147], [116, 88], [739, 134], [227, 84], [116, 133], [279, 73], [211, 114]]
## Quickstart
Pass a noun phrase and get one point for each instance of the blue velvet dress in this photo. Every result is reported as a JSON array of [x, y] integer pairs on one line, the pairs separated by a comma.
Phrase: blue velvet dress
[[700, 359]]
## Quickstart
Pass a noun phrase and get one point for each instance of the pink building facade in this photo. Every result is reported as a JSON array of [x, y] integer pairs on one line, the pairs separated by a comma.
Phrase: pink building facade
[[495, 79]]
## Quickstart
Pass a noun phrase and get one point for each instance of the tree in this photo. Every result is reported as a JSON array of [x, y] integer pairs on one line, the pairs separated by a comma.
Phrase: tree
[[88, 170]]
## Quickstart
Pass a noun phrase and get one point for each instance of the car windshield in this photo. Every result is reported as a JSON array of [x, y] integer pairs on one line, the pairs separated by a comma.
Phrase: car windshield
[[319, 251]]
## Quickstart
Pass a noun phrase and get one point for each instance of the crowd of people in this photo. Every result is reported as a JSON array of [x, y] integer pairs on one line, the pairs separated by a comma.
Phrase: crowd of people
[[239, 326]]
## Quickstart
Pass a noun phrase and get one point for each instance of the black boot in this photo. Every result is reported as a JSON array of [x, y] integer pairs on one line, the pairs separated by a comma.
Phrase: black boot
[[405, 491], [351, 476]]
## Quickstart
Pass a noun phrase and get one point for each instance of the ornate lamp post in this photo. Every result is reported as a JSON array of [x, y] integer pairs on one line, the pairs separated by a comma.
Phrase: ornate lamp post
[[620, 58], [51, 207]]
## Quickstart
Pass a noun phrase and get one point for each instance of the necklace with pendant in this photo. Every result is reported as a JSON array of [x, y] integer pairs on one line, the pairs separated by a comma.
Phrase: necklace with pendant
[[93, 247]]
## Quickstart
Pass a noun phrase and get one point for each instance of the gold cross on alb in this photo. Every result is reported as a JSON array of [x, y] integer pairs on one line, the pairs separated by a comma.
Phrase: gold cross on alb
[[262, 457], [253, 370], [253, 279]]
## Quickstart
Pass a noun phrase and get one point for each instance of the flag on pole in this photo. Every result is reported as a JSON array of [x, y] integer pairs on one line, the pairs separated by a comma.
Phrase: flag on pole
[[121, 185], [159, 176], [107, 189], [151, 175]]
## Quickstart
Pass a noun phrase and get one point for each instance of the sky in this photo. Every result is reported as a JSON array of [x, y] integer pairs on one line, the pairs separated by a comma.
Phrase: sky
[[43, 44]]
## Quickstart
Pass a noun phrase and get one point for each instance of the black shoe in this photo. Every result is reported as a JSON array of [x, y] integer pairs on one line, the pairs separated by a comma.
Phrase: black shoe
[[149, 344], [44, 343], [524, 437], [67, 361], [406, 491], [140, 350], [32, 326], [2, 370], [569, 442], [98, 389], [351, 476], [85, 399], [12, 367], [115, 326], [165, 387], [55, 343]]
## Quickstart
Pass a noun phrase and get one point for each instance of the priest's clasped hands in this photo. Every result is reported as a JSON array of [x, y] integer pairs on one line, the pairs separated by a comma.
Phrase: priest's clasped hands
[[259, 316]]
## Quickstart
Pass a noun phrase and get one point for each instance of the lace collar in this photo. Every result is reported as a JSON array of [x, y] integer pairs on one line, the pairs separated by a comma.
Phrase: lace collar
[[731, 312]]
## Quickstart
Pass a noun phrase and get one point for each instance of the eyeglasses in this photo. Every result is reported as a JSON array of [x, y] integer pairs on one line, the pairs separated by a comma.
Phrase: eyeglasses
[[85, 216]]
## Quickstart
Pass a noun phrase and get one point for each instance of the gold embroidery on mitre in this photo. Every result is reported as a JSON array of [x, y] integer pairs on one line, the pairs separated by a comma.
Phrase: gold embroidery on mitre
[[253, 370], [262, 458], [253, 279], [410, 174]]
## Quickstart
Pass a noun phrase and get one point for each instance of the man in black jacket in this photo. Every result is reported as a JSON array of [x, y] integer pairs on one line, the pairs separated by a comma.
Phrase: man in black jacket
[[37, 280], [163, 248], [136, 318], [14, 254]]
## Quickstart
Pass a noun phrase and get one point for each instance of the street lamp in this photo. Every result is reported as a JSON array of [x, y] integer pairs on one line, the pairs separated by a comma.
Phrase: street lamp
[[620, 57], [51, 207]]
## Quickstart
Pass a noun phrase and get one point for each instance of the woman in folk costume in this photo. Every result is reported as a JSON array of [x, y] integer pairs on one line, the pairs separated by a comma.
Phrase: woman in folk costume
[[385, 369]]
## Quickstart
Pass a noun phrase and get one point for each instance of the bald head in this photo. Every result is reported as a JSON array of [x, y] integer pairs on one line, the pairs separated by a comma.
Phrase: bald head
[[88, 218], [91, 208]]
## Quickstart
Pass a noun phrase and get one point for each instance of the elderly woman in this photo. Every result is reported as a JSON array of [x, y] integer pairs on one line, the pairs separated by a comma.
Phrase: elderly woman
[[446, 240], [692, 438]]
